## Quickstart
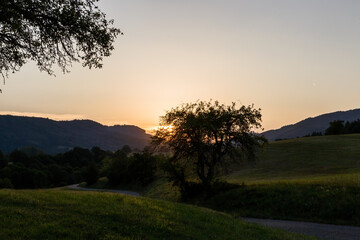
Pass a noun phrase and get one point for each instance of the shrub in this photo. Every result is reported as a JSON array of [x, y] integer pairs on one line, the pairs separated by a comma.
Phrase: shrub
[[6, 183]]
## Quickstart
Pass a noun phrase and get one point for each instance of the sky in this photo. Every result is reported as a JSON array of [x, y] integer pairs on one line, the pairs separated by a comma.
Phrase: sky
[[293, 59]]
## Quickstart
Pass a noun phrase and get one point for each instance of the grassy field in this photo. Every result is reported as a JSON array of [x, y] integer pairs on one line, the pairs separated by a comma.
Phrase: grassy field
[[311, 179], [61, 214], [312, 159]]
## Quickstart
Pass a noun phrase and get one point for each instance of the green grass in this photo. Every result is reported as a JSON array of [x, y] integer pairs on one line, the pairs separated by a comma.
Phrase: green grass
[[324, 158], [311, 179], [326, 203], [60, 214]]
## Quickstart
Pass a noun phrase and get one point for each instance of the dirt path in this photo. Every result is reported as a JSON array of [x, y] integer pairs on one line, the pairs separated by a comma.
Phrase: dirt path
[[321, 231], [75, 186]]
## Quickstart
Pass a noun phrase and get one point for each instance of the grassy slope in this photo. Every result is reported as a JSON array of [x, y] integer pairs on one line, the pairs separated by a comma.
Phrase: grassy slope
[[311, 179], [333, 158], [59, 214]]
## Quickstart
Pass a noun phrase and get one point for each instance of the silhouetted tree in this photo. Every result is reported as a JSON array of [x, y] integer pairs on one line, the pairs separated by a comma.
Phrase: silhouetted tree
[[91, 174], [352, 127], [78, 157], [18, 156], [203, 135], [335, 127], [126, 149], [53, 32], [116, 169], [142, 167], [98, 154]]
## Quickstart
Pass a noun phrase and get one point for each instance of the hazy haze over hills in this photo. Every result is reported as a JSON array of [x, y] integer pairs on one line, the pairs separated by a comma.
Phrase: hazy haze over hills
[[310, 125], [60, 136]]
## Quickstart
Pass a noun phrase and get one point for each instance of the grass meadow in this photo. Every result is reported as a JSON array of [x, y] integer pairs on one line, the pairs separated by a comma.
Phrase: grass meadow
[[310, 179], [65, 214]]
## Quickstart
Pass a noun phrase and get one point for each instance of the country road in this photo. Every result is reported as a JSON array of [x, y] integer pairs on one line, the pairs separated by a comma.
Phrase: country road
[[76, 187], [321, 231]]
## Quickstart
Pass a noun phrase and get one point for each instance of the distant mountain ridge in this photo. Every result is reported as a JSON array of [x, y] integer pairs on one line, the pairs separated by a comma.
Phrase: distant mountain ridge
[[310, 125], [60, 136]]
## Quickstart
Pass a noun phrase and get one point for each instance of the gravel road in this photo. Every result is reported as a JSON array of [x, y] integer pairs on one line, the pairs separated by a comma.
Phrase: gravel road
[[75, 186], [321, 231]]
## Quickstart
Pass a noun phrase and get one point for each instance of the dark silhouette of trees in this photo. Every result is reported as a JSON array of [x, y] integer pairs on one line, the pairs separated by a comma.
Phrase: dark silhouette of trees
[[98, 154], [53, 32], [91, 174], [18, 156], [142, 167], [335, 128], [203, 136], [122, 168], [126, 149], [338, 127], [352, 127], [116, 168], [3, 161], [33, 169]]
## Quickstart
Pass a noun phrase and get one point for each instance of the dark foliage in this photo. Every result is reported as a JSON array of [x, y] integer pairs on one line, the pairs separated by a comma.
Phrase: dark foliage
[[126, 149], [3, 161], [91, 174], [6, 183], [40, 170], [313, 134], [116, 169], [335, 128], [53, 32], [124, 169], [142, 167], [338, 127], [98, 154], [352, 127]]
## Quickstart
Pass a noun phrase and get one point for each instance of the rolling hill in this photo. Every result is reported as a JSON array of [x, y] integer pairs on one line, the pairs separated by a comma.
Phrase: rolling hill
[[321, 158], [60, 214], [60, 136], [310, 125]]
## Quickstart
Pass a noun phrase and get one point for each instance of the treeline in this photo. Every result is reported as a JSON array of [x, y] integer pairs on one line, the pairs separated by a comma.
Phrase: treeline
[[30, 168], [339, 127]]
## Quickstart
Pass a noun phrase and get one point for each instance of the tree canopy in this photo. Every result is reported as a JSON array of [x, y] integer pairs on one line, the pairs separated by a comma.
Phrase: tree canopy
[[202, 135], [53, 32]]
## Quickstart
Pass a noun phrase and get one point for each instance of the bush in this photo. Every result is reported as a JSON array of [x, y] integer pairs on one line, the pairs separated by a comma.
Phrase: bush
[[6, 183]]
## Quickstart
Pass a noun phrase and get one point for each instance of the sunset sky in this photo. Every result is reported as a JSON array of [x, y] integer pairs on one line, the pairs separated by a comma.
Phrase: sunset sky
[[293, 59]]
